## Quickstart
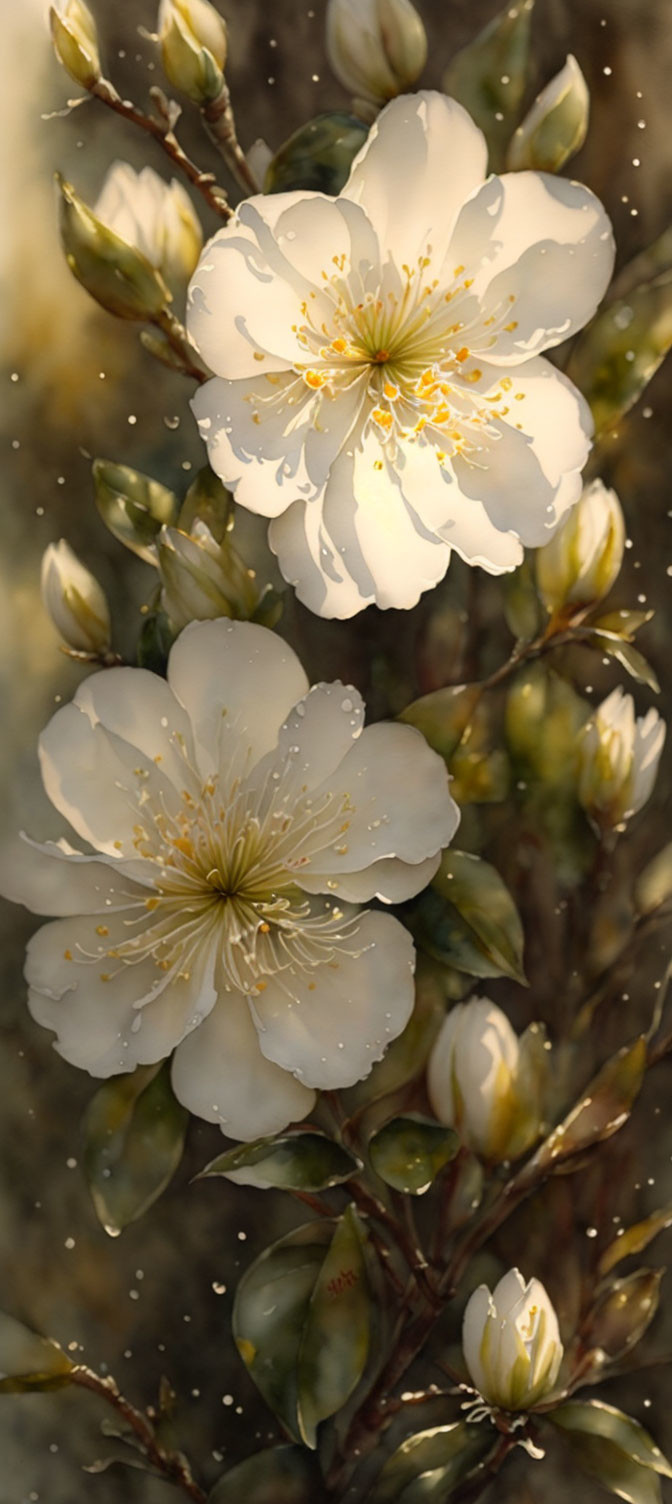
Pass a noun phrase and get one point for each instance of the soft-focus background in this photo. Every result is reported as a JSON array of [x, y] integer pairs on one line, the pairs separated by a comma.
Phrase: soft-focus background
[[76, 385]]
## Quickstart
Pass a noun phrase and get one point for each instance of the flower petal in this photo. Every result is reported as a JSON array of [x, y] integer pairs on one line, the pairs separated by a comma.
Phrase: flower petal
[[141, 708], [422, 159], [220, 1074], [329, 1025], [386, 759], [245, 296], [390, 880], [91, 1000], [315, 738], [543, 248], [309, 560], [384, 546], [51, 879], [98, 781], [271, 439], [234, 677], [478, 1313], [433, 494]]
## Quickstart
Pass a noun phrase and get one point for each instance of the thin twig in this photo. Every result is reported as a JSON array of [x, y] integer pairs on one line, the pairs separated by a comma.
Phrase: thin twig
[[220, 124], [173, 1465], [205, 182]]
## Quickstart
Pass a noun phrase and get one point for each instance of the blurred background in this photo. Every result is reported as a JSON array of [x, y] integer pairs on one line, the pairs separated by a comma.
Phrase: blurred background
[[77, 385]]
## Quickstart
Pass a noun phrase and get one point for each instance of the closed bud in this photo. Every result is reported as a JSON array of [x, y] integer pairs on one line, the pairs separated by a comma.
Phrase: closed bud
[[618, 760], [376, 48], [487, 1083], [117, 275], [75, 39], [555, 128], [193, 41], [75, 601], [202, 579], [511, 1342], [579, 565], [155, 218]]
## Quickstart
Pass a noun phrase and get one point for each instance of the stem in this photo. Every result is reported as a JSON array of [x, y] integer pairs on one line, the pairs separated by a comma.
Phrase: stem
[[173, 1465], [179, 341], [162, 132], [220, 124]]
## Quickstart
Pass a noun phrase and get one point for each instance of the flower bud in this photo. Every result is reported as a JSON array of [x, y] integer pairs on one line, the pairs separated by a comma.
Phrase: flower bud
[[556, 126], [581, 562], [117, 275], [376, 48], [154, 217], [75, 39], [202, 579], [487, 1083], [193, 41], [618, 760], [511, 1342], [75, 601]]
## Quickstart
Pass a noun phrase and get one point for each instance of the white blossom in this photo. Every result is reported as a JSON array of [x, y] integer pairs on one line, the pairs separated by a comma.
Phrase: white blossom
[[484, 1081], [511, 1342], [376, 48], [155, 217], [74, 600], [580, 564], [75, 37], [618, 759], [237, 820], [379, 389]]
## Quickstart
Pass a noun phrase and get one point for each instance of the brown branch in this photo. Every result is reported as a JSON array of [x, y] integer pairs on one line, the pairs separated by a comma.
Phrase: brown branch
[[162, 132], [220, 124], [181, 345], [173, 1465]]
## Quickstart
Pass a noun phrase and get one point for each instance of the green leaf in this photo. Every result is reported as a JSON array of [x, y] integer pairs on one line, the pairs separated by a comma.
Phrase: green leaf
[[28, 1361], [613, 1448], [318, 156], [280, 1475], [623, 1312], [134, 1132], [133, 506], [622, 348], [634, 1239], [602, 1110], [155, 642], [336, 1336], [292, 1161], [628, 656], [301, 1322], [428, 1466], [409, 1152], [489, 75], [208, 501], [624, 622], [486, 911], [443, 716]]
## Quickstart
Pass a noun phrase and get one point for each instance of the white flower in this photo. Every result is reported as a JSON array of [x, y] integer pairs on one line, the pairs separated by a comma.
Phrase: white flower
[[484, 1081], [376, 48], [155, 217], [580, 564], [511, 1342], [75, 601], [379, 389], [238, 819], [618, 759]]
